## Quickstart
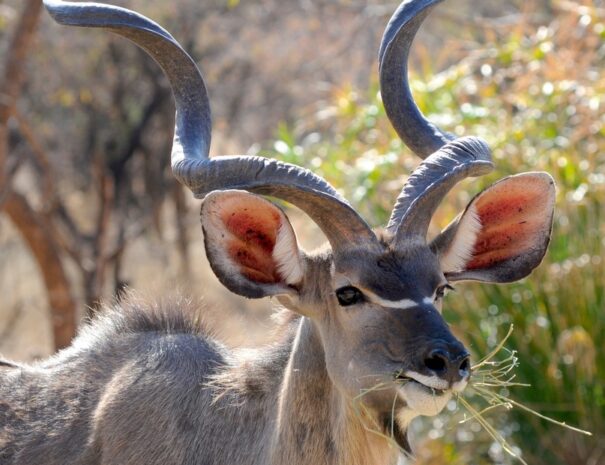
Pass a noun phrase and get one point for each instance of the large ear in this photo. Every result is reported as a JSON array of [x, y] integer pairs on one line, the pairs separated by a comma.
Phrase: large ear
[[503, 233], [250, 244]]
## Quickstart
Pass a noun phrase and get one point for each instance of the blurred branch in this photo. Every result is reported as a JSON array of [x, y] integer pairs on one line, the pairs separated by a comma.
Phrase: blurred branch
[[12, 78], [95, 276], [31, 225], [52, 207], [11, 322], [133, 143], [180, 204], [13, 165], [41, 161], [35, 232], [127, 235]]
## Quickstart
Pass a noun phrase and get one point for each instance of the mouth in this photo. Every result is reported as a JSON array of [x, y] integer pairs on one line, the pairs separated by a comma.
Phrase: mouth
[[430, 385], [423, 395], [428, 389]]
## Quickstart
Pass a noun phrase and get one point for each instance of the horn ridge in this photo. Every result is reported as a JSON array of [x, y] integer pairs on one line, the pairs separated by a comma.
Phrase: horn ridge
[[447, 160], [419, 134], [432, 180]]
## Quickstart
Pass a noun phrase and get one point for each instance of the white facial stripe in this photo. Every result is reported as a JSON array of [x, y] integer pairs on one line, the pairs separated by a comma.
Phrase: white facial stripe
[[401, 304]]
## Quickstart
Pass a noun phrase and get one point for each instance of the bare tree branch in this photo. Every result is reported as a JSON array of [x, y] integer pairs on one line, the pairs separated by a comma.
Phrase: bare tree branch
[[96, 279], [30, 224], [41, 161], [13, 165], [35, 233], [12, 78]]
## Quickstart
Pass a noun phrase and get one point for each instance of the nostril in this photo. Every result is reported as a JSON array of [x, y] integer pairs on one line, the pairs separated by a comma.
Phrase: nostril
[[465, 366], [436, 361]]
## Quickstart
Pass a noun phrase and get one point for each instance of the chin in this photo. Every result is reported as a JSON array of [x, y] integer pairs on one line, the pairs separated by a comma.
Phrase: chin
[[422, 400]]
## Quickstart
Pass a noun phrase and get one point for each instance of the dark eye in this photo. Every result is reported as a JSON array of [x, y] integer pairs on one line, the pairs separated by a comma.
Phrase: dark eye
[[349, 295], [442, 290]]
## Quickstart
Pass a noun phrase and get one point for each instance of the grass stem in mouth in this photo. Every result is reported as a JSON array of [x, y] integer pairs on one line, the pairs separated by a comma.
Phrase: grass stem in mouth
[[376, 387], [484, 411], [496, 436], [499, 399], [503, 384], [488, 381], [497, 349]]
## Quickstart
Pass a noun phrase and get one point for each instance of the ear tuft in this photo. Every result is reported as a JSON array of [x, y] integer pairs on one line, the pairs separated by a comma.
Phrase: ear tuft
[[250, 244], [460, 250], [286, 256]]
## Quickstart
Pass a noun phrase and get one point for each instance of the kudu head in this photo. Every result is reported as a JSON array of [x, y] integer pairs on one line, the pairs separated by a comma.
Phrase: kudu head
[[374, 299]]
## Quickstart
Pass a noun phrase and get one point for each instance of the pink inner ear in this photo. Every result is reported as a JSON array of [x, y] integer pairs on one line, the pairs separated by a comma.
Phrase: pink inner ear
[[514, 215], [254, 230]]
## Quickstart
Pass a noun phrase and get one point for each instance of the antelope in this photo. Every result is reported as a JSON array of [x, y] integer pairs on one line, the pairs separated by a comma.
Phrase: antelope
[[362, 348]]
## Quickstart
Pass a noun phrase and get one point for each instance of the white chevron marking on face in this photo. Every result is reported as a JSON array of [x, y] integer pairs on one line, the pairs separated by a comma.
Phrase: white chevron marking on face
[[400, 304]]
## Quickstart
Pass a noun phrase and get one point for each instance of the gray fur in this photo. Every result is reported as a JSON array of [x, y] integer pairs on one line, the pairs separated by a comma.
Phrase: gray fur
[[133, 388], [147, 384]]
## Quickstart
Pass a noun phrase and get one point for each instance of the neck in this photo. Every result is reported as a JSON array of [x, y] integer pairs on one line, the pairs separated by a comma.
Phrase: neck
[[315, 423]]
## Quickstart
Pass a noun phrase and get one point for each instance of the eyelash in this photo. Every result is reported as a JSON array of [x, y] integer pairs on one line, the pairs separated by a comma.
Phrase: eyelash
[[441, 291]]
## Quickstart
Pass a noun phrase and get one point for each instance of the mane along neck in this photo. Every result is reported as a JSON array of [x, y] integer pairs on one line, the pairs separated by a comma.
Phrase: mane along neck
[[315, 423], [300, 416]]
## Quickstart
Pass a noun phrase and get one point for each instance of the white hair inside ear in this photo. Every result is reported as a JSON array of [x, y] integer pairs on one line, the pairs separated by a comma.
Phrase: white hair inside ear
[[286, 255], [460, 251]]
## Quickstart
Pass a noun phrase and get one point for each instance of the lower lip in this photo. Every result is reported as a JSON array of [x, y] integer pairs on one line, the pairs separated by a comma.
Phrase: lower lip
[[422, 399]]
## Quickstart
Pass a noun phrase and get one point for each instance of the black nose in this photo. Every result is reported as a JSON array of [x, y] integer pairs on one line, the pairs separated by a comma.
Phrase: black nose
[[450, 366]]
